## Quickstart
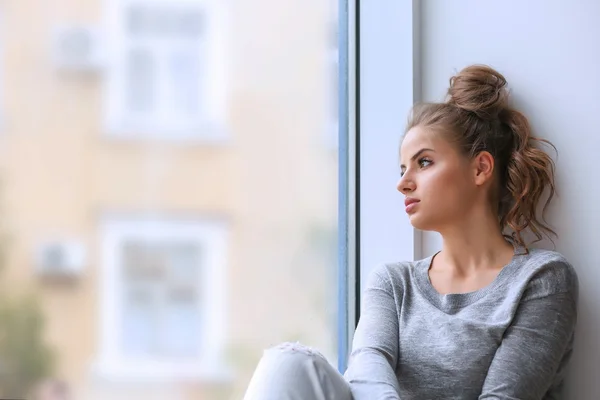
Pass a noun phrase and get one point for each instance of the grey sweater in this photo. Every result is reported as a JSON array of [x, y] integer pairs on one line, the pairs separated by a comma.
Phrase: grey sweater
[[510, 340]]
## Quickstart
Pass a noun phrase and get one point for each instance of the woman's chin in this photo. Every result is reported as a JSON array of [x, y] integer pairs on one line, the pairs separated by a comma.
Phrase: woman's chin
[[414, 221], [418, 222]]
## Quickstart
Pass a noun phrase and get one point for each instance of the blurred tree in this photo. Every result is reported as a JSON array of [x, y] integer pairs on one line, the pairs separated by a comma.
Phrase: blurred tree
[[24, 357]]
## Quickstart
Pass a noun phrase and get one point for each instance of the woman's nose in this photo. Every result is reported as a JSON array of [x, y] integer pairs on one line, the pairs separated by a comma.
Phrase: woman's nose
[[406, 185]]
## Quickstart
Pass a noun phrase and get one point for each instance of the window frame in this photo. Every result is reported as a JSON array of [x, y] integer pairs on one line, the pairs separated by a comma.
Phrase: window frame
[[211, 236]]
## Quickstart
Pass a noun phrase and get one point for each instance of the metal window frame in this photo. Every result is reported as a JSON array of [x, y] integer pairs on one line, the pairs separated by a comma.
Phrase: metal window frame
[[348, 206]]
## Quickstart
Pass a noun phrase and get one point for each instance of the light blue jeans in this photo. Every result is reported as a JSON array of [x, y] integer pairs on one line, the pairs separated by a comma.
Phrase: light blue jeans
[[291, 371]]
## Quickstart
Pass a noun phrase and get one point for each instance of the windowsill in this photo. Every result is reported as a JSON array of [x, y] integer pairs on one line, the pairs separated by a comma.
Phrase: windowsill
[[204, 134], [156, 371]]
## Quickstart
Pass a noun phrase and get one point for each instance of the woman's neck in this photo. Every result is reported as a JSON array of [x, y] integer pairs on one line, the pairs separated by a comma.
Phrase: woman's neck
[[473, 244]]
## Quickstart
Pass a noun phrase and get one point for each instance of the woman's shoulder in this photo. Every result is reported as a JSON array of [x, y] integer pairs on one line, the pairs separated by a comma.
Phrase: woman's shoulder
[[548, 272], [399, 273]]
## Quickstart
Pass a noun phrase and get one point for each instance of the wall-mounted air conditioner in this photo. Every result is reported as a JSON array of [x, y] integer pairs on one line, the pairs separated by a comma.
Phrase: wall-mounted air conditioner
[[60, 258], [78, 48]]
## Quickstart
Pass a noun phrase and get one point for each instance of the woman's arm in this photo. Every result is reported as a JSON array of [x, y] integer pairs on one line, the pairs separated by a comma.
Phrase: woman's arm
[[537, 346], [371, 371]]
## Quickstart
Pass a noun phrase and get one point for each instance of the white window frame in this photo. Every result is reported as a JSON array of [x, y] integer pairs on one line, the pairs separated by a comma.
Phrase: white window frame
[[211, 236], [211, 124]]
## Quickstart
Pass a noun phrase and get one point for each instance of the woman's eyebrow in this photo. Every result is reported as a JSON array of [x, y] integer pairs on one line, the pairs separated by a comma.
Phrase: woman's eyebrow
[[417, 154]]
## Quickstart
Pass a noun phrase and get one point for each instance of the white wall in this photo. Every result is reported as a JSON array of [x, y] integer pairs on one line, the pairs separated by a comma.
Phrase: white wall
[[549, 51]]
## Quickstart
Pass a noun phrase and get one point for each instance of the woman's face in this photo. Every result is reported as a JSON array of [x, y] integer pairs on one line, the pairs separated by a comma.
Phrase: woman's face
[[437, 180]]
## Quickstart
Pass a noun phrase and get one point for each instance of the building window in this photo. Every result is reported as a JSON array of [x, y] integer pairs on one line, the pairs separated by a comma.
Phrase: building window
[[162, 298], [167, 68]]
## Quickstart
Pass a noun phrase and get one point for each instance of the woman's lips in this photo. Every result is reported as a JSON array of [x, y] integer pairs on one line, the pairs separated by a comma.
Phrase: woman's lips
[[410, 204]]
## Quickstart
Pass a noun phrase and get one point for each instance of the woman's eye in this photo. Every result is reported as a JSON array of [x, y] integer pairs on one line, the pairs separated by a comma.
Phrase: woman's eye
[[424, 162]]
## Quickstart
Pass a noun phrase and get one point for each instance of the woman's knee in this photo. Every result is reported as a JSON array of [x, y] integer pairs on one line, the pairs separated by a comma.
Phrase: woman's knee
[[291, 352], [292, 359], [292, 370]]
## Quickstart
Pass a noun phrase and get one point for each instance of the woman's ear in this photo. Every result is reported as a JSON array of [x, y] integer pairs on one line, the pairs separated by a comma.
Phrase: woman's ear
[[483, 167]]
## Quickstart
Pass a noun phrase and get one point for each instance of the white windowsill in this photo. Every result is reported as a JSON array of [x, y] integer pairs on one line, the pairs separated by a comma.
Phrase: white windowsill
[[202, 134]]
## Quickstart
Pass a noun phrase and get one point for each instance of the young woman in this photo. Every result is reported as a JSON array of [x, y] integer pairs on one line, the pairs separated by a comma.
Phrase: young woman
[[484, 318]]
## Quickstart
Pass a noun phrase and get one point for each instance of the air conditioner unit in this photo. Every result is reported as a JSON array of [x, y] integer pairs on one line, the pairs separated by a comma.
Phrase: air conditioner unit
[[78, 48], [60, 258]]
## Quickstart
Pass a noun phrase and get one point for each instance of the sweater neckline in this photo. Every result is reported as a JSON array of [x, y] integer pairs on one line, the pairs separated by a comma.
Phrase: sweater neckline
[[455, 301]]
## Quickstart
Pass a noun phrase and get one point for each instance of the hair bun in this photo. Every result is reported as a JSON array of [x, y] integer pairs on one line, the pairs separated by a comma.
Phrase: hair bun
[[479, 89]]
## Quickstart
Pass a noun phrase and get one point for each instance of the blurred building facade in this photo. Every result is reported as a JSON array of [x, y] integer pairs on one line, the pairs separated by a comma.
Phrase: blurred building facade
[[169, 186]]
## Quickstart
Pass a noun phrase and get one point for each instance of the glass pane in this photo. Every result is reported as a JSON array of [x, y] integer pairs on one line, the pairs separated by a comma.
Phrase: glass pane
[[183, 336], [184, 81], [140, 321], [160, 21], [143, 262], [142, 80], [162, 306], [184, 262], [201, 243]]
